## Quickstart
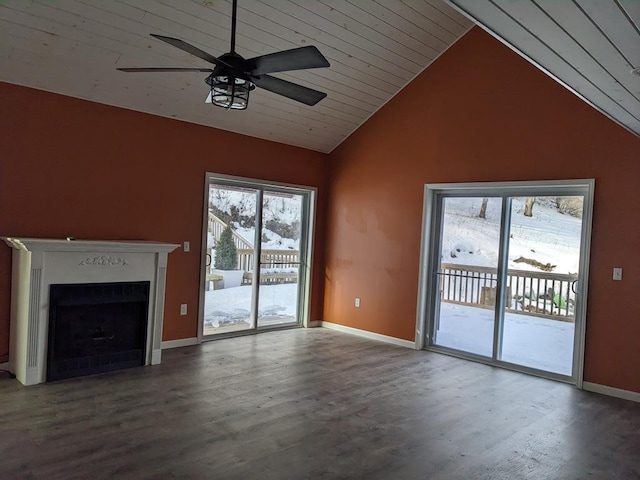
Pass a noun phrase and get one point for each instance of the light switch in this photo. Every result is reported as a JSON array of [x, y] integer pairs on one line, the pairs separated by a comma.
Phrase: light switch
[[617, 273], [186, 246], [183, 309]]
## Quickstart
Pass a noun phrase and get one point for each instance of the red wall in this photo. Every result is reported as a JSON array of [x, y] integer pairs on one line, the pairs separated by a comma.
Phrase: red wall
[[481, 113], [71, 167]]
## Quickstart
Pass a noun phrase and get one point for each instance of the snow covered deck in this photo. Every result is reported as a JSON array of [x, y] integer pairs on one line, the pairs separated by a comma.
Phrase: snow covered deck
[[230, 308], [531, 341]]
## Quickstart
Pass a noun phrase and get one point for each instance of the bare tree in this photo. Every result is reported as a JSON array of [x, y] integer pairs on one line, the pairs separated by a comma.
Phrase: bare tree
[[483, 208], [528, 206]]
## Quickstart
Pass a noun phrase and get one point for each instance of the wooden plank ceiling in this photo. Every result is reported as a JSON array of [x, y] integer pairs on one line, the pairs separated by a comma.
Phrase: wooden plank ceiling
[[590, 46], [375, 48]]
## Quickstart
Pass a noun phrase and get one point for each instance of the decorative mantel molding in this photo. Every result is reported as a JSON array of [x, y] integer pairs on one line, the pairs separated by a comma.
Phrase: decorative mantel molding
[[104, 260], [38, 263]]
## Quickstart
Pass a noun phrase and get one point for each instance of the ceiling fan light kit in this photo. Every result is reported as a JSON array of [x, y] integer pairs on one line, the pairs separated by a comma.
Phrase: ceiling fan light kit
[[233, 77], [228, 92]]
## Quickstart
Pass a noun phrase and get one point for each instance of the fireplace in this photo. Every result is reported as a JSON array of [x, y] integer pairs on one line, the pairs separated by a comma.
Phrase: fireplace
[[85, 306], [96, 327]]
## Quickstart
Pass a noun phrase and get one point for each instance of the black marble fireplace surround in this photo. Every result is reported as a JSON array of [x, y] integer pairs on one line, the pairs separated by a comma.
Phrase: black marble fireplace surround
[[96, 327]]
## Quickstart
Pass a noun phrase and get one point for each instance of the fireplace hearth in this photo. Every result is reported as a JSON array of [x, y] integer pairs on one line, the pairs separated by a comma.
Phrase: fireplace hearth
[[96, 327]]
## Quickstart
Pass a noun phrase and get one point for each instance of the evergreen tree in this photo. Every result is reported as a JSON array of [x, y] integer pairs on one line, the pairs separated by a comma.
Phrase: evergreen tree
[[226, 251]]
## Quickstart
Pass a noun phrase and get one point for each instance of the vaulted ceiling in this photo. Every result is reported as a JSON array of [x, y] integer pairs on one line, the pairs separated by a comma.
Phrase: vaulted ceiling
[[589, 46], [375, 48]]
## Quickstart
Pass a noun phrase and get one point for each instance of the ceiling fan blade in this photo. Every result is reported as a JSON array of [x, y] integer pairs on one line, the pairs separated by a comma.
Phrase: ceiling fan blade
[[187, 47], [294, 59], [163, 69], [290, 90]]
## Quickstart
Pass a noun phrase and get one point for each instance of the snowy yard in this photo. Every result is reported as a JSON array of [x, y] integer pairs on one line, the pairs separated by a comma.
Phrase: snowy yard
[[549, 236]]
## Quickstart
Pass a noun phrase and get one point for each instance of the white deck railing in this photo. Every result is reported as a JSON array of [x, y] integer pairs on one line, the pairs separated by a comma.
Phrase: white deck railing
[[276, 266]]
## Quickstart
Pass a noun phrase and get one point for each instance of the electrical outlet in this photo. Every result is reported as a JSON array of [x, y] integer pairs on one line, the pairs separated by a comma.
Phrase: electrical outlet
[[186, 246], [357, 302], [617, 273], [183, 309]]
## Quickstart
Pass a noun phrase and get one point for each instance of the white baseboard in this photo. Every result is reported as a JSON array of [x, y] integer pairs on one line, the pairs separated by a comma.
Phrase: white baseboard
[[611, 391], [370, 335], [182, 342], [4, 366], [314, 324]]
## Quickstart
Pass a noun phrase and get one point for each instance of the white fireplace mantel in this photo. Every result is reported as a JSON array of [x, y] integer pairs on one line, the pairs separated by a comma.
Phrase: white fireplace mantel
[[37, 263]]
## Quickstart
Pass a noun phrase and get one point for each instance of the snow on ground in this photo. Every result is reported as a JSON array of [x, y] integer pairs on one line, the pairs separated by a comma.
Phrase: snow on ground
[[274, 241], [530, 341], [548, 236], [232, 305], [283, 208]]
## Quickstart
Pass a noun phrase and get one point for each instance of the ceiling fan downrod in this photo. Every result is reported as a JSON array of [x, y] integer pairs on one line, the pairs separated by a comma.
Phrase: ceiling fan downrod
[[234, 14]]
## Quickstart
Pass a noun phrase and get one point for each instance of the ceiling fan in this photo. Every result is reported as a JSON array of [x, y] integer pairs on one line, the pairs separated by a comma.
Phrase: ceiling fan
[[233, 77]]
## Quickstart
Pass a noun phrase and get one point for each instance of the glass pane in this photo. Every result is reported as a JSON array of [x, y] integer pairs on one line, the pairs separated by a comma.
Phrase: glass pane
[[230, 237], [468, 274], [279, 261], [544, 258]]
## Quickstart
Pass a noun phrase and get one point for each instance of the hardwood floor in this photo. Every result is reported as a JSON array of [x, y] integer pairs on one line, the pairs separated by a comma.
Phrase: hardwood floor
[[309, 404]]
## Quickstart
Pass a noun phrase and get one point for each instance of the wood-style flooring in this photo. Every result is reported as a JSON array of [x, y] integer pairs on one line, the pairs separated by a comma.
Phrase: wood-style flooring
[[313, 404]]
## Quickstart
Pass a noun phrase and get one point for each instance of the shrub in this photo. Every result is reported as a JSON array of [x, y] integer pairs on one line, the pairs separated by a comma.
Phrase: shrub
[[226, 251]]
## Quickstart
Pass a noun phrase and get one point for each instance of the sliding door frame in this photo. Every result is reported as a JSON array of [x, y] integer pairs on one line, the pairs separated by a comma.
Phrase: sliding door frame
[[307, 227], [427, 308]]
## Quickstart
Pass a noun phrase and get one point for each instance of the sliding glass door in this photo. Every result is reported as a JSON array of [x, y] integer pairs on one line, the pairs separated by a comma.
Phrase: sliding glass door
[[228, 292], [280, 258], [506, 273], [542, 272], [256, 256], [465, 318]]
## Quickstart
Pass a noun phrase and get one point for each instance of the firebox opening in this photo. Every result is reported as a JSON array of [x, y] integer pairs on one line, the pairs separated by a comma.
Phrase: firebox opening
[[96, 327]]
